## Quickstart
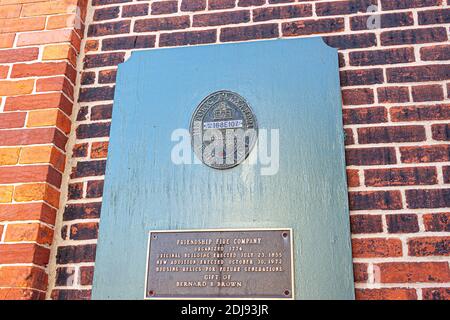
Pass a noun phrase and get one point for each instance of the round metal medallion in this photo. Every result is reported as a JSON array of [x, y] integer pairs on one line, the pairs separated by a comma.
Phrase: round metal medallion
[[223, 130]]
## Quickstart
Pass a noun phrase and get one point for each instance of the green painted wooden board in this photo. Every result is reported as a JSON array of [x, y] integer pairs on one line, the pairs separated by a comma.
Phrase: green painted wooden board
[[292, 85]]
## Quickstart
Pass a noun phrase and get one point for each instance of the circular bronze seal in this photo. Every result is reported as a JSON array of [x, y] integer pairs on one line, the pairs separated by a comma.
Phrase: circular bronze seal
[[223, 130]]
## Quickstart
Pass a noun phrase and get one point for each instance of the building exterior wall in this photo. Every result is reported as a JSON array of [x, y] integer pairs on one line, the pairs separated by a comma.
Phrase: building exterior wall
[[39, 45], [395, 79]]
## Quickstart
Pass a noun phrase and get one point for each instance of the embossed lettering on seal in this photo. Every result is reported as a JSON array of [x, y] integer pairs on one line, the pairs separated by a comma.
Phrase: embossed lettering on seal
[[223, 130]]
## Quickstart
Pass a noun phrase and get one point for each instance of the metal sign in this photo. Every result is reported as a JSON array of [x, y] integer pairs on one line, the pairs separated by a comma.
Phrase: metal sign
[[248, 264], [223, 130]]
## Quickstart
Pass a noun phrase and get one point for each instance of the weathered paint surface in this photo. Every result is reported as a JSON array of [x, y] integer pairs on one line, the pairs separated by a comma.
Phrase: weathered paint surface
[[291, 85]]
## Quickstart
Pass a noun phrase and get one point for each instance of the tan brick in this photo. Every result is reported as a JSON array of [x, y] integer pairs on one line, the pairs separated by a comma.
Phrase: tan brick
[[14, 88], [6, 193], [36, 192], [49, 117], [61, 21], [9, 156], [43, 154], [58, 52]]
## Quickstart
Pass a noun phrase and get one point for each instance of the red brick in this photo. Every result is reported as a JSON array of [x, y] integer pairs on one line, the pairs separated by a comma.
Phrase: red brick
[[55, 84], [101, 112], [389, 20], [406, 4], [400, 176], [365, 223], [221, 4], [393, 94], [348, 137], [96, 94], [27, 211], [94, 189], [413, 36], [86, 275], [164, 7], [435, 153], [434, 53], [187, 38], [82, 211], [109, 28], [84, 231], [436, 222], [351, 41], [80, 150], [439, 16], [412, 272], [361, 77], [34, 173], [391, 134], [431, 198], [420, 113], [103, 59], [375, 200], [62, 294], [75, 191], [106, 13], [21, 294], [353, 178], [76, 254], [106, 2], [65, 276], [18, 55], [93, 130], [386, 294], [436, 293], [352, 97], [24, 253], [23, 276], [32, 136], [193, 5], [249, 3], [441, 132], [135, 10], [282, 12], [381, 57], [402, 223], [158, 24], [39, 69], [131, 42], [307, 27], [260, 31], [360, 272], [343, 7], [99, 150], [370, 156], [365, 115], [221, 18], [418, 74], [12, 120], [433, 92], [39, 101], [89, 169], [376, 248], [430, 246]]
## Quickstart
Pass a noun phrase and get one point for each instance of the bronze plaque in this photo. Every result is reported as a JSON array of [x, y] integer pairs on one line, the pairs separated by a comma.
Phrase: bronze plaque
[[246, 264]]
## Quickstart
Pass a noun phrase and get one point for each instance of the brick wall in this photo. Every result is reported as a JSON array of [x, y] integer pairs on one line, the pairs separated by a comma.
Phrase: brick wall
[[39, 43], [395, 86]]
